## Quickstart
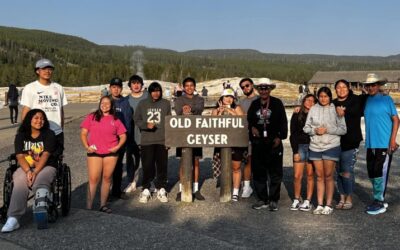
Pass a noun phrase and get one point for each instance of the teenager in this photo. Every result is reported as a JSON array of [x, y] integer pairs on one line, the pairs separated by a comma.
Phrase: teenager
[[325, 128], [150, 118], [299, 141]]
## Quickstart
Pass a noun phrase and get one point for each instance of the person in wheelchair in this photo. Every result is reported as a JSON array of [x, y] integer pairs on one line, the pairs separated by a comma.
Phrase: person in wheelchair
[[34, 147]]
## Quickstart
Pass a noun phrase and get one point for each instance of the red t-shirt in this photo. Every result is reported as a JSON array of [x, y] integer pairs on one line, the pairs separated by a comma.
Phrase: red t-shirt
[[104, 133]]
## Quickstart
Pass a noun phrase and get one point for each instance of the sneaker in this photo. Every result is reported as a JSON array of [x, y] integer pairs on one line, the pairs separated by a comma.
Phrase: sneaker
[[260, 205], [130, 188], [247, 191], [377, 207], [305, 206], [295, 205], [179, 197], [144, 196], [162, 195], [235, 197], [11, 225], [318, 210], [198, 196], [273, 206], [327, 210]]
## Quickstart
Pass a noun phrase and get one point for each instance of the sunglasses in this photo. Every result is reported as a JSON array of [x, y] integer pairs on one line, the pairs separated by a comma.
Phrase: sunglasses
[[245, 86]]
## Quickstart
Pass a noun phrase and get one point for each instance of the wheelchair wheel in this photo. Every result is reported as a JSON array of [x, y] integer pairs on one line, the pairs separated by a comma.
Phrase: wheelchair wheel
[[7, 191], [66, 191]]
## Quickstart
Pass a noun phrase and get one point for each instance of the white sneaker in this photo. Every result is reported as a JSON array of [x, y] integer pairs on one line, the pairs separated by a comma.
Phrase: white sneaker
[[295, 205], [144, 196], [318, 210], [162, 195], [327, 210], [130, 188], [305, 206], [11, 225], [247, 191]]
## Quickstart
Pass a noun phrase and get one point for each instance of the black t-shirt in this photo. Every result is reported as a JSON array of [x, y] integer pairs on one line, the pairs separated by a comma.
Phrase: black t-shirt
[[354, 105], [46, 141]]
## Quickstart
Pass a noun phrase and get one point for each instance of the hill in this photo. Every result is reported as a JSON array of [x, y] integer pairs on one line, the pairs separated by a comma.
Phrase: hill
[[80, 62]]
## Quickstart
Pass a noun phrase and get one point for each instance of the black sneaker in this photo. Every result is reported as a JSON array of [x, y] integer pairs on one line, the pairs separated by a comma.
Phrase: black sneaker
[[260, 205], [179, 197], [198, 196], [273, 206]]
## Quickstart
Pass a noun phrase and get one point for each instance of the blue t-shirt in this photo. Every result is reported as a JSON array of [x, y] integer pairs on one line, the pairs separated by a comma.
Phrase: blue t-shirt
[[378, 113]]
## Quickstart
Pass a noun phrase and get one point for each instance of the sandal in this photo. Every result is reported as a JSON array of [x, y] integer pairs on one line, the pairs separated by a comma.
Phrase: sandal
[[347, 205], [340, 205], [105, 209]]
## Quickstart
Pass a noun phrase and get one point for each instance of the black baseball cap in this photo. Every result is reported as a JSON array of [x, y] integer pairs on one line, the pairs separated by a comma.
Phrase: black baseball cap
[[116, 81]]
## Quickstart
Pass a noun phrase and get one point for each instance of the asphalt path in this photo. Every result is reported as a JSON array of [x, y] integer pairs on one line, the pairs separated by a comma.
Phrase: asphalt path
[[209, 224]]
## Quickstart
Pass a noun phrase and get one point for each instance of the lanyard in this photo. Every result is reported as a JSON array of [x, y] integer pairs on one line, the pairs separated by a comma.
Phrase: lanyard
[[264, 113]]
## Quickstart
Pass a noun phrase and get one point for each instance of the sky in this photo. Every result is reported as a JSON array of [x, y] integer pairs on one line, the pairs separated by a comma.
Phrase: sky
[[336, 27]]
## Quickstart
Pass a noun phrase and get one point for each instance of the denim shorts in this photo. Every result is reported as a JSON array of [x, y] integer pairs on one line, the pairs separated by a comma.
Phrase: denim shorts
[[332, 154], [304, 152]]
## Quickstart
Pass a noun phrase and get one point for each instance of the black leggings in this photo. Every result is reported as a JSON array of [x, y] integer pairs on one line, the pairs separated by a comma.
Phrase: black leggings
[[12, 110]]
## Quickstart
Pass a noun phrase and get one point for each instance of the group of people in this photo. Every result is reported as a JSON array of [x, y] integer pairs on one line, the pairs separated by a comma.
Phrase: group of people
[[325, 138], [325, 135]]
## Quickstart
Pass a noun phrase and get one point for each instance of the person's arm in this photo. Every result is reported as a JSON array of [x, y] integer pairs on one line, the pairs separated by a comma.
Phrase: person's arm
[[293, 129], [62, 118], [84, 135], [121, 142], [24, 111], [308, 127], [393, 145]]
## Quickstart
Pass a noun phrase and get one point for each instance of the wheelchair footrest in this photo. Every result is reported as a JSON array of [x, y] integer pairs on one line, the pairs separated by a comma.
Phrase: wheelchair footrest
[[41, 218]]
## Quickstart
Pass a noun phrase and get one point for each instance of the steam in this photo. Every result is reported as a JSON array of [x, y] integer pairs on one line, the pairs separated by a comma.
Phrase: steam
[[137, 61]]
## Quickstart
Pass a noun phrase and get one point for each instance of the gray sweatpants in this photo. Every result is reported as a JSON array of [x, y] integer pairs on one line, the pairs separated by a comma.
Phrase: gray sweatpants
[[20, 191]]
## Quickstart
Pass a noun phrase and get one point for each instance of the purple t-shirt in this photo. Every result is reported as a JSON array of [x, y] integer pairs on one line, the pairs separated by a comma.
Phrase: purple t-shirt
[[104, 133]]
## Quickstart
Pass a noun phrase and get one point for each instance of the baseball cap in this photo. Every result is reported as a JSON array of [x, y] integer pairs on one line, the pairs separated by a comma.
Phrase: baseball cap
[[228, 92], [44, 63], [116, 81]]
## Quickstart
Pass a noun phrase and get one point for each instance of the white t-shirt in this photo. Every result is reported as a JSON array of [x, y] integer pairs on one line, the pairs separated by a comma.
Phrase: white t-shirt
[[49, 98]]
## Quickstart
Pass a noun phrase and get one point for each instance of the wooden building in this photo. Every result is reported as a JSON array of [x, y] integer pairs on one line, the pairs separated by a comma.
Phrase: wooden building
[[328, 78]]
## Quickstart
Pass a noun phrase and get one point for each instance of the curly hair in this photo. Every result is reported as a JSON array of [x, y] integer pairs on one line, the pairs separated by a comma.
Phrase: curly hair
[[26, 128]]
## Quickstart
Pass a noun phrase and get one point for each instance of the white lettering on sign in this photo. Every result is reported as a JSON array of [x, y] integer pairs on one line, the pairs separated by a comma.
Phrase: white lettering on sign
[[179, 122], [198, 139], [219, 122]]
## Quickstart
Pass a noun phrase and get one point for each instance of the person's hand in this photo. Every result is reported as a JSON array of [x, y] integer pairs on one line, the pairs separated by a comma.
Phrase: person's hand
[[321, 130], [114, 149], [30, 176], [340, 110], [393, 146], [187, 110], [296, 110], [296, 157], [255, 132], [91, 149], [151, 125], [277, 141]]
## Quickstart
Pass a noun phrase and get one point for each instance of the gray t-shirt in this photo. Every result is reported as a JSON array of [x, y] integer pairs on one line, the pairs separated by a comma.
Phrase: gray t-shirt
[[246, 102], [133, 102], [196, 103]]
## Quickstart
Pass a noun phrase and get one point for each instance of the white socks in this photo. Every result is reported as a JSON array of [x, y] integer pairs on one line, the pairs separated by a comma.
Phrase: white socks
[[195, 187], [247, 183], [236, 191]]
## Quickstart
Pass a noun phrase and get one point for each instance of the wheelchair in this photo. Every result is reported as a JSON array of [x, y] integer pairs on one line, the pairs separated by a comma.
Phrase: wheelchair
[[60, 190]]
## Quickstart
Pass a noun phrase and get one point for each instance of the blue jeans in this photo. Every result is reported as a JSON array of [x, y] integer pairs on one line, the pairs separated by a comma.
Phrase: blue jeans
[[346, 164]]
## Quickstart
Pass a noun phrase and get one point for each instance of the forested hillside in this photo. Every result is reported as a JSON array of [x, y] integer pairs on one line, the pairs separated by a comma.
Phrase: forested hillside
[[80, 62]]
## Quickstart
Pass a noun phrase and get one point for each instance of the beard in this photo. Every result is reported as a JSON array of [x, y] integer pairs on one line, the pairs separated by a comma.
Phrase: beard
[[249, 93]]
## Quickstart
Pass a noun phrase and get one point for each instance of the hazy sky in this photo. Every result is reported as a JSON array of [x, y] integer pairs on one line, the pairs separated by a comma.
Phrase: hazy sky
[[340, 27]]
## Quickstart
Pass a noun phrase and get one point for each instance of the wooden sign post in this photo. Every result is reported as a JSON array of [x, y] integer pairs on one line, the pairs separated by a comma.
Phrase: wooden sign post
[[195, 131]]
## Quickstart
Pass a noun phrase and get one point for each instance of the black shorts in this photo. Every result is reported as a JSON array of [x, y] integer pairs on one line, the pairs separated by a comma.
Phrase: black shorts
[[101, 155], [238, 154], [197, 152]]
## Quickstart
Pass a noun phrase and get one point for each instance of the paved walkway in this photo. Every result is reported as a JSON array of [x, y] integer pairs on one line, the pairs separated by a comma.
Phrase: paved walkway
[[208, 224]]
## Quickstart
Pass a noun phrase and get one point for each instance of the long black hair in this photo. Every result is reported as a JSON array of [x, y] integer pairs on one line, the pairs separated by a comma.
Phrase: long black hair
[[98, 114], [12, 93], [302, 113], [327, 91], [26, 128], [233, 105]]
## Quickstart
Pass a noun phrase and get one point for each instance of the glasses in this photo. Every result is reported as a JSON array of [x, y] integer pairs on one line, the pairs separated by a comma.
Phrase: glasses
[[264, 89], [245, 86]]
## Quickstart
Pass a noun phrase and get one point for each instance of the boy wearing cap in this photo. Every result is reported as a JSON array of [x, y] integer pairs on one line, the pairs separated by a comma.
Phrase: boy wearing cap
[[150, 118], [190, 104], [133, 143], [124, 113], [48, 96], [381, 125], [267, 128]]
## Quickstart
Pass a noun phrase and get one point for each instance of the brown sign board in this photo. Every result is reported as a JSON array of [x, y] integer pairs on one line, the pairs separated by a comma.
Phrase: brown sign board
[[206, 131]]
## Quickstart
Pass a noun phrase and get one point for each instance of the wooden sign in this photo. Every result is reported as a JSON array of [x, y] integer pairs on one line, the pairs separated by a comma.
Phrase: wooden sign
[[206, 131]]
